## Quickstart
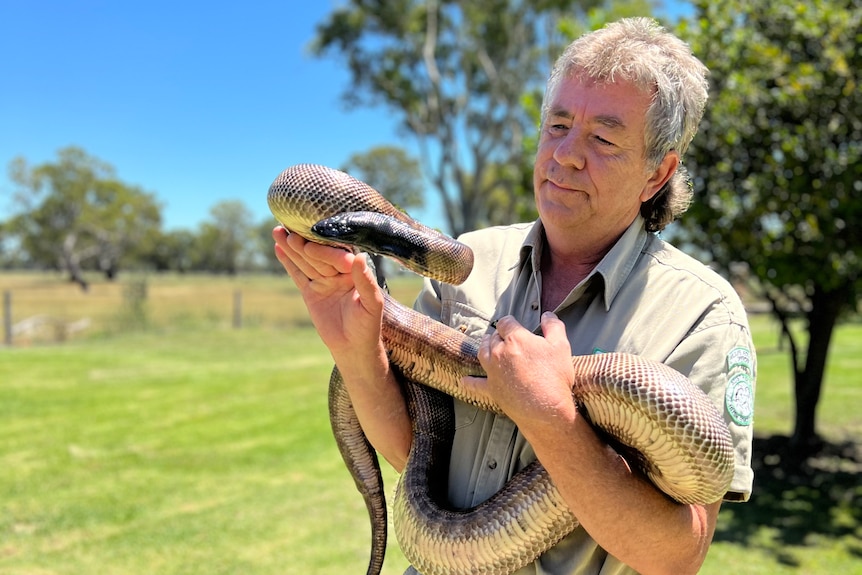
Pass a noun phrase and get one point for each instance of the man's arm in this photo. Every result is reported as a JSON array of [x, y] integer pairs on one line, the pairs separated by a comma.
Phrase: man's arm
[[530, 377], [620, 509], [346, 307]]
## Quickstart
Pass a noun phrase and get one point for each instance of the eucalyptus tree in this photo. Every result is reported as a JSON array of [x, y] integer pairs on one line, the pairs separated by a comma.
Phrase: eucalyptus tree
[[391, 171], [455, 75], [227, 242], [75, 213]]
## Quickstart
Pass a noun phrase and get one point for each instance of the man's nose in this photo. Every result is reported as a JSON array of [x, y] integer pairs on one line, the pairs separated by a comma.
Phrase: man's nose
[[570, 150]]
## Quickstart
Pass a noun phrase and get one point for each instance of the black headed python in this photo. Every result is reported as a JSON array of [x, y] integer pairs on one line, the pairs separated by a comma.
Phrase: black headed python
[[684, 446]]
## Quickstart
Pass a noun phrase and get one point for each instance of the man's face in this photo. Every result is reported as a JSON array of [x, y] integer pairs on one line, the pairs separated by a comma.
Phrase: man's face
[[590, 174]]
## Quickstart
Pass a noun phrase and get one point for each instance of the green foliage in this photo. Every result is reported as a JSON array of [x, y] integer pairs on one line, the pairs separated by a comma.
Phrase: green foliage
[[227, 243], [75, 211], [778, 160], [75, 215], [778, 172], [173, 252], [392, 172]]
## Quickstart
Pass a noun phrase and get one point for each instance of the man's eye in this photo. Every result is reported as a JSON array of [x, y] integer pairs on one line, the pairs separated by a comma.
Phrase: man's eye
[[602, 141]]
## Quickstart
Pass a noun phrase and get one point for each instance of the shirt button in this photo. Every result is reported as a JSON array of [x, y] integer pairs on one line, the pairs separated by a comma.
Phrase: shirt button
[[534, 305], [492, 464]]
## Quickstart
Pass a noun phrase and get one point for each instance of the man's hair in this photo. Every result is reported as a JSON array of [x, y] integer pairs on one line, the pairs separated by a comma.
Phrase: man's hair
[[640, 51]]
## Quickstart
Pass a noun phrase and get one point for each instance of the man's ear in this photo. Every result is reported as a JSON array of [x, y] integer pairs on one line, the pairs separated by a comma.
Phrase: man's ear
[[660, 176]]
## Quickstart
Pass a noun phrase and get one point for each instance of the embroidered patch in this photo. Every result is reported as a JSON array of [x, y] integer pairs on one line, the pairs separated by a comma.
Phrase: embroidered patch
[[739, 357], [739, 398]]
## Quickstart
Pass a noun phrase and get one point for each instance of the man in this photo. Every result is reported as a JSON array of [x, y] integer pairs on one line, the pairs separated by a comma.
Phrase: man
[[620, 109]]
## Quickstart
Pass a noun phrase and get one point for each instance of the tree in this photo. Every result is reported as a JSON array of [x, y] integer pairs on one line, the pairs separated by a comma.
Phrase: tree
[[76, 211], [127, 224], [393, 173], [7, 257], [172, 251], [455, 74], [778, 169], [227, 243]]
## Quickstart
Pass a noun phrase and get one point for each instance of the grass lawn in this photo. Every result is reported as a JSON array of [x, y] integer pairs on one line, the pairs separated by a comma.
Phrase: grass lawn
[[810, 521], [189, 447], [188, 452]]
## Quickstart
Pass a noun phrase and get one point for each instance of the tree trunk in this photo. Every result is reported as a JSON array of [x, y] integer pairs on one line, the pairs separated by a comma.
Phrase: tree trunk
[[71, 261], [108, 263], [826, 306]]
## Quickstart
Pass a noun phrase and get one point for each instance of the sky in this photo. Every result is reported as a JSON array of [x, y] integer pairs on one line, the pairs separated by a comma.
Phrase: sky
[[195, 102]]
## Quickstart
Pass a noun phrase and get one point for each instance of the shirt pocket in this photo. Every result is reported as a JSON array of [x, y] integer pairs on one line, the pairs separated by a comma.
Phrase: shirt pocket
[[466, 319]]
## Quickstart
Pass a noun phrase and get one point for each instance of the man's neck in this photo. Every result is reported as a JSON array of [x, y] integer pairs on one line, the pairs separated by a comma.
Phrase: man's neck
[[565, 265], [560, 275]]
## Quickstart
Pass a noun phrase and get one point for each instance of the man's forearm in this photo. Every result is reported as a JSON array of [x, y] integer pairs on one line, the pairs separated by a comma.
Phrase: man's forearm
[[380, 408], [621, 510]]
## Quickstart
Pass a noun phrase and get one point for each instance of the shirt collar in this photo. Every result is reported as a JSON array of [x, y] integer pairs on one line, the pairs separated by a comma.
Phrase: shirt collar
[[618, 263], [614, 268]]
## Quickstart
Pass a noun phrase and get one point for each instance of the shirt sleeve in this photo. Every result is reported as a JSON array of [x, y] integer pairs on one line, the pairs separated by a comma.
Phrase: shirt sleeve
[[720, 359]]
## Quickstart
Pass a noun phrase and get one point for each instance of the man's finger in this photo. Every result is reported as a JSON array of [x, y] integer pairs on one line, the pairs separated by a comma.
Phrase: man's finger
[[552, 327], [365, 282], [507, 326]]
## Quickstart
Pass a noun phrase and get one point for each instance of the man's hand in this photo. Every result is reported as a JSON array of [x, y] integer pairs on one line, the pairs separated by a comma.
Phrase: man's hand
[[529, 376], [346, 307], [339, 290]]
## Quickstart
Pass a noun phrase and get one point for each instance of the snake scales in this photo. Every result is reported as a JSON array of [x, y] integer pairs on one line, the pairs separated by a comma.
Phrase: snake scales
[[678, 438]]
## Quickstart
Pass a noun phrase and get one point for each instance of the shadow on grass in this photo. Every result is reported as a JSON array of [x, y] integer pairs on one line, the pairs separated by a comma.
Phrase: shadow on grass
[[798, 500]]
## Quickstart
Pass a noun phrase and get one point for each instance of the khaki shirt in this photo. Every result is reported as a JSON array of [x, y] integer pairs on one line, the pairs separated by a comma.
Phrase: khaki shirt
[[645, 297]]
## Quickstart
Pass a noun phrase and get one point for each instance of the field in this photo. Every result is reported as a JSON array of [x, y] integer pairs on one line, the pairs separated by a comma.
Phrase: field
[[177, 425]]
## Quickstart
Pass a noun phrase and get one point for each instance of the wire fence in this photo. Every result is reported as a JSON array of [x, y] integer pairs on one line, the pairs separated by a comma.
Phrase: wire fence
[[45, 308]]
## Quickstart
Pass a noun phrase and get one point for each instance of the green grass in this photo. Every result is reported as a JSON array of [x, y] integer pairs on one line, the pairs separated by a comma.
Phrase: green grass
[[185, 452], [838, 408], [189, 447], [807, 521]]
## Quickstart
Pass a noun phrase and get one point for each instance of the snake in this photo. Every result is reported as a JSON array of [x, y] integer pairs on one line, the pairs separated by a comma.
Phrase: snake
[[666, 427]]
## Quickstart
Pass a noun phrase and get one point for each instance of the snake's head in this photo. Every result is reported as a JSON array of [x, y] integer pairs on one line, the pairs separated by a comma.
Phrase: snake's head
[[343, 227], [428, 253], [373, 232]]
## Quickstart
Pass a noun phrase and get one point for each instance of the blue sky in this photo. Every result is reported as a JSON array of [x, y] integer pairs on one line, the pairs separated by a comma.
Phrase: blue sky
[[196, 102]]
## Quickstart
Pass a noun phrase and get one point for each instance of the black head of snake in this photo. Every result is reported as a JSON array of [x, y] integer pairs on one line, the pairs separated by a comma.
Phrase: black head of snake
[[330, 207], [678, 436]]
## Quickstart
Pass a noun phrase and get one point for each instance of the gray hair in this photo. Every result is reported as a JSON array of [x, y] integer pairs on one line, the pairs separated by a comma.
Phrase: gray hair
[[640, 51]]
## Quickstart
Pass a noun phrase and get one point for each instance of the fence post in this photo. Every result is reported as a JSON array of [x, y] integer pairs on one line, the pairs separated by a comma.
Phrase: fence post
[[237, 309], [7, 317]]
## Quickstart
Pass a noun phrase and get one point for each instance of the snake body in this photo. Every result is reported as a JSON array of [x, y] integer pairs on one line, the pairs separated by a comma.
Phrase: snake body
[[678, 438]]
